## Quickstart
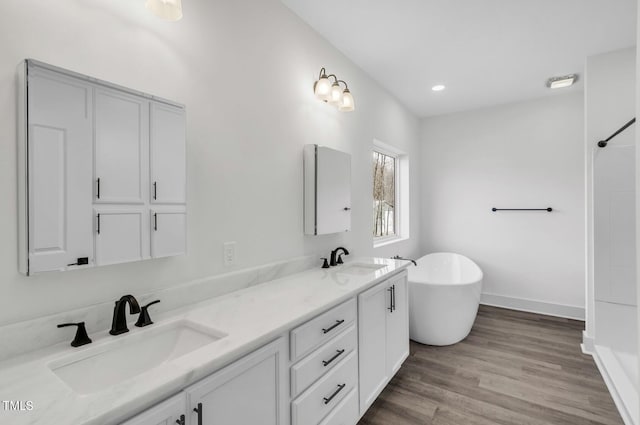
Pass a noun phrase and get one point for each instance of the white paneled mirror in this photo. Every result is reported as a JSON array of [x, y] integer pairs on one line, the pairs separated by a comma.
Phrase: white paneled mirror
[[93, 159], [327, 190]]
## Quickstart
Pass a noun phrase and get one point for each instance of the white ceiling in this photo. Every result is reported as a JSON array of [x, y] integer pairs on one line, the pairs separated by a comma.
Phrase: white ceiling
[[486, 52]]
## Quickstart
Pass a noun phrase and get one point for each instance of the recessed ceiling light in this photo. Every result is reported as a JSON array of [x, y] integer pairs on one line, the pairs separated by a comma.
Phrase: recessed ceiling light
[[563, 81], [438, 87]]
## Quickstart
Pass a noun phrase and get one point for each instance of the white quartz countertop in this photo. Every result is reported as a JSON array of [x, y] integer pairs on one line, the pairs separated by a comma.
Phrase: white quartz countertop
[[250, 317]]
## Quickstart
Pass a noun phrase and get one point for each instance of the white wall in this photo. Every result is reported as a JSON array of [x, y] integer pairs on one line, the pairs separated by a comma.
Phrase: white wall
[[524, 155], [245, 71]]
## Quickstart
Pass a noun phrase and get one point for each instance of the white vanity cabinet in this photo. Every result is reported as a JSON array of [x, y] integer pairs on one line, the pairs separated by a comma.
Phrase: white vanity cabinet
[[324, 378], [252, 390], [169, 412], [102, 172], [383, 339], [327, 371], [327, 190]]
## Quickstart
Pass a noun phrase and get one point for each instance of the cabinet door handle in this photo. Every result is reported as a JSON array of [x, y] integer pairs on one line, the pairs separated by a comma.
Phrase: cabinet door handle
[[155, 190], [347, 209], [98, 188], [328, 399], [198, 410], [98, 229], [390, 308], [329, 329], [182, 420], [155, 222], [326, 363], [393, 297]]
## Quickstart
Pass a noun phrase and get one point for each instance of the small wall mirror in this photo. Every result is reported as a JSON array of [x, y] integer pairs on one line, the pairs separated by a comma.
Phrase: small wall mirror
[[327, 190]]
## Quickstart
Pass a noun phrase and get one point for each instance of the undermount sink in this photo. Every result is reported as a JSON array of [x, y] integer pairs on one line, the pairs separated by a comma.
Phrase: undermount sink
[[130, 355], [360, 269]]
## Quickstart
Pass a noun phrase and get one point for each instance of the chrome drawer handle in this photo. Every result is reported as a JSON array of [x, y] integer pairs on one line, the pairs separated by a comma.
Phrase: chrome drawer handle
[[338, 323], [326, 363], [340, 388]]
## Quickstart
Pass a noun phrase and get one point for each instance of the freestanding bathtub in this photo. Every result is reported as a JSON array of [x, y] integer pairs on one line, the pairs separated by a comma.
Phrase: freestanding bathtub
[[444, 295]]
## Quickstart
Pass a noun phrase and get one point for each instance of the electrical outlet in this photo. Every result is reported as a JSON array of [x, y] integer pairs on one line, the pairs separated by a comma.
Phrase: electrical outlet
[[229, 253]]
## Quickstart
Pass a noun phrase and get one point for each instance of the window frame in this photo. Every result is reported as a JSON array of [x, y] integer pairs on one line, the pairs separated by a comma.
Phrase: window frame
[[401, 178]]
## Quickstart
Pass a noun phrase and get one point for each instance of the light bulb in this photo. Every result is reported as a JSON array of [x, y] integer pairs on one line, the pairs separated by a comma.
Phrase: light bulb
[[348, 104], [322, 88], [169, 10], [336, 94]]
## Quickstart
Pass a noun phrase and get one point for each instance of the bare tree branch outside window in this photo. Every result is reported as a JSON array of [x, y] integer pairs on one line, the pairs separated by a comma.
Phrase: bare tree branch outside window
[[384, 195]]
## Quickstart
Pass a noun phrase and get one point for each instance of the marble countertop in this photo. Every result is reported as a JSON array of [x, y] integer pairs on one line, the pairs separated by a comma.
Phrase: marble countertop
[[250, 317]]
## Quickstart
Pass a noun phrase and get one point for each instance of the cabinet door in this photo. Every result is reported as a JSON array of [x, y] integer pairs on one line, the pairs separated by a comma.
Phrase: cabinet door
[[372, 319], [397, 325], [121, 141], [333, 185], [250, 391], [168, 233], [60, 228], [168, 154], [168, 412], [119, 236]]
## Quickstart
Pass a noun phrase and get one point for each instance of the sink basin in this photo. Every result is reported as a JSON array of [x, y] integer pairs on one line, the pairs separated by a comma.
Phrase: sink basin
[[101, 367], [360, 269]]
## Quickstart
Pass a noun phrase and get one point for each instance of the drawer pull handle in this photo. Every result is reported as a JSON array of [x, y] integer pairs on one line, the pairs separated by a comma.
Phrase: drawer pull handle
[[182, 420], [327, 330], [326, 363], [328, 399], [393, 298], [198, 410]]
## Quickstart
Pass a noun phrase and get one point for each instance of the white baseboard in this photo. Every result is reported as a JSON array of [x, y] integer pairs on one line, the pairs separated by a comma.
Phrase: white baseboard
[[534, 306]]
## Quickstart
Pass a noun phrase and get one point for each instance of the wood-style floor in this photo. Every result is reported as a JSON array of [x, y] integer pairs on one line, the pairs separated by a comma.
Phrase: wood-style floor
[[514, 368]]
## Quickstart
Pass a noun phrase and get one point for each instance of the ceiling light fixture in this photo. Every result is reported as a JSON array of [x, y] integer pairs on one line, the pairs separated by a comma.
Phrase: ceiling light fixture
[[333, 93], [563, 81], [169, 10], [438, 87]]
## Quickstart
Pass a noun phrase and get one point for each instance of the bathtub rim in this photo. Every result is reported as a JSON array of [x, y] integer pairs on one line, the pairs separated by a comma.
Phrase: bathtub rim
[[448, 284]]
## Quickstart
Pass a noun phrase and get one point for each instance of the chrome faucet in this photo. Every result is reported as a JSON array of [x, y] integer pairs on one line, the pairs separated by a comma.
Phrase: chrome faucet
[[119, 324], [335, 262]]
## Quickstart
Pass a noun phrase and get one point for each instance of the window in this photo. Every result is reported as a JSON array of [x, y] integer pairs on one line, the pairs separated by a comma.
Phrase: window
[[390, 170], [384, 195]]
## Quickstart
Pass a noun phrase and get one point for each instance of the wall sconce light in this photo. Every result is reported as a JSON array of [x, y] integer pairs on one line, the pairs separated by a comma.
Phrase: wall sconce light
[[169, 10], [333, 93]]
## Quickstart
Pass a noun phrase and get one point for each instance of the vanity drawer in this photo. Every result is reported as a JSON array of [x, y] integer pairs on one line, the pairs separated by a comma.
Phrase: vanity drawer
[[323, 396], [322, 328], [345, 413], [325, 358]]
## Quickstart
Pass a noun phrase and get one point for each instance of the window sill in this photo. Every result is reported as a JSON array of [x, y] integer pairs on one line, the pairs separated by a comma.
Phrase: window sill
[[388, 241]]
